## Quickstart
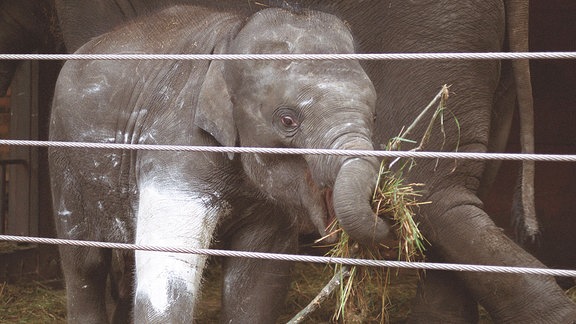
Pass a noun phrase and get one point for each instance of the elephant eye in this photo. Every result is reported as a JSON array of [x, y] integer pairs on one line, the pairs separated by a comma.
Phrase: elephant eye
[[286, 121]]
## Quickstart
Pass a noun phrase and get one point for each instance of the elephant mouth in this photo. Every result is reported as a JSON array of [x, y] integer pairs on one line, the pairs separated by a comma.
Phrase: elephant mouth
[[329, 232], [321, 213]]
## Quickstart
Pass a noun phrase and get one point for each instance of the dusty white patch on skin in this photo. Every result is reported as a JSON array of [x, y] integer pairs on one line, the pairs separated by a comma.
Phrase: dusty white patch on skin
[[258, 159], [176, 218], [120, 228], [149, 136], [114, 159], [64, 212], [99, 82], [307, 102], [288, 66], [64, 215], [92, 88]]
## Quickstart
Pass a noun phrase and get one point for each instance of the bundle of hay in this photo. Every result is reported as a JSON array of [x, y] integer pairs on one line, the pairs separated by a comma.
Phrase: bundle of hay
[[397, 202]]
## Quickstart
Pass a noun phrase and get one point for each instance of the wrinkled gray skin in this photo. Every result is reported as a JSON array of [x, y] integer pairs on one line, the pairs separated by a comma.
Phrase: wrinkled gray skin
[[455, 223], [460, 231], [258, 202]]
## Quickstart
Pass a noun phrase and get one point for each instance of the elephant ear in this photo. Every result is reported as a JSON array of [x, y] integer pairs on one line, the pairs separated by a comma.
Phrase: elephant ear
[[214, 109]]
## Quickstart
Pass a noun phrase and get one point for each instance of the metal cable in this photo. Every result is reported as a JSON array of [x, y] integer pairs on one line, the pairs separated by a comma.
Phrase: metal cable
[[286, 257], [293, 57], [301, 151], [298, 258]]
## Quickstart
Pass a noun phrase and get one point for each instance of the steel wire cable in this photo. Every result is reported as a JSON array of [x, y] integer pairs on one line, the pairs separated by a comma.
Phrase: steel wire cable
[[286, 257], [292, 57], [298, 258], [301, 151]]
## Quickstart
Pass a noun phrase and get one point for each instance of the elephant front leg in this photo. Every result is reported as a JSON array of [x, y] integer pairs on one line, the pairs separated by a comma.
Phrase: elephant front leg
[[254, 290], [463, 233], [167, 284]]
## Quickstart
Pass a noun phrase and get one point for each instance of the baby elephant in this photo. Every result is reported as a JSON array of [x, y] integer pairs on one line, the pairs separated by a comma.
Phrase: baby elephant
[[250, 202]]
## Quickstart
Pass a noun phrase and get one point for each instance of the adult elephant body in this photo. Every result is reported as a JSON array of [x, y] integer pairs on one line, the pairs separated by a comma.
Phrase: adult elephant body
[[258, 201], [455, 223]]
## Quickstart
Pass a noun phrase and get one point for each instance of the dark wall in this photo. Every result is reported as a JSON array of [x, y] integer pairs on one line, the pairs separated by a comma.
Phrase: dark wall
[[553, 28]]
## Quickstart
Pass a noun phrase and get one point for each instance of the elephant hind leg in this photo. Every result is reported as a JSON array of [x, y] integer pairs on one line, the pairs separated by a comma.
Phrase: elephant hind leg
[[85, 272], [122, 285]]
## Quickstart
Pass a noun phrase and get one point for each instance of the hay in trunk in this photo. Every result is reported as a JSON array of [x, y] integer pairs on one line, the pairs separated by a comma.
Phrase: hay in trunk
[[397, 202]]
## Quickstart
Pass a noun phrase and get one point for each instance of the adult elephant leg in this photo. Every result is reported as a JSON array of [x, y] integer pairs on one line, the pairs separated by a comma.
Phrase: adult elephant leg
[[254, 290], [463, 233], [455, 224]]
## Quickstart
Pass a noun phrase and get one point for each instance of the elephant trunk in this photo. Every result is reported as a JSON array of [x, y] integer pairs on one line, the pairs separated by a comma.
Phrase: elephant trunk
[[352, 194], [353, 180]]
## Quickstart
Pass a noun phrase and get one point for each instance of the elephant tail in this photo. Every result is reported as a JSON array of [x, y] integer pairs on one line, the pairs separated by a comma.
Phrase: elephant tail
[[523, 210]]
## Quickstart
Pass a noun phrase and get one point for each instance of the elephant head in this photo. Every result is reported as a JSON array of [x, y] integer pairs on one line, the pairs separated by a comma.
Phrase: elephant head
[[298, 104]]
